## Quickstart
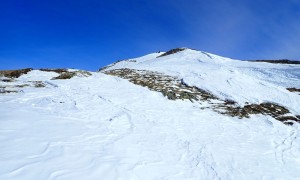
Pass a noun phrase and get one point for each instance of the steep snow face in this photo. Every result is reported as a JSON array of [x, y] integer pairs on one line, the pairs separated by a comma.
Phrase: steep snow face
[[105, 127], [241, 81]]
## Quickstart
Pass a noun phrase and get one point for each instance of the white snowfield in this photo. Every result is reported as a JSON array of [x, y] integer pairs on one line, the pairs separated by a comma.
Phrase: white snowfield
[[104, 127]]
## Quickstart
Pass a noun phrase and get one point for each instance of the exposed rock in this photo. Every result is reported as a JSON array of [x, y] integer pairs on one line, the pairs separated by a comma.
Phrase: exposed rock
[[274, 110], [169, 86], [7, 79], [21, 85], [65, 75], [38, 84], [3, 91], [288, 119], [280, 61], [70, 74], [59, 70], [174, 88], [293, 89], [172, 51], [14, 88], [105, 67], [14, 73]]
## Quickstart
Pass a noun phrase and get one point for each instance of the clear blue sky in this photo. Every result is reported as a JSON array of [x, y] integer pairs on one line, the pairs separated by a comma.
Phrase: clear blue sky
[[88, 34]]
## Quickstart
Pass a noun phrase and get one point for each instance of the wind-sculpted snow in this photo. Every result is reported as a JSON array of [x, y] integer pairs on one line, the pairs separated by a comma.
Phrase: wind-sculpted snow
[[106, 127]]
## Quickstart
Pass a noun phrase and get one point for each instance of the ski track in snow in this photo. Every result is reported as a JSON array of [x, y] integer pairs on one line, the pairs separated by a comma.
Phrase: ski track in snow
[[103, 127]]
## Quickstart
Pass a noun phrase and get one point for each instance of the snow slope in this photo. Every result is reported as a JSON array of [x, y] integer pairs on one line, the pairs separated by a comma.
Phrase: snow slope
[[104, 127], [241, 81]]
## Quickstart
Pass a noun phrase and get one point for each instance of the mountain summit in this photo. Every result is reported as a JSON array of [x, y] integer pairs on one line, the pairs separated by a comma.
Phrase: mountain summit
[[180, 114]]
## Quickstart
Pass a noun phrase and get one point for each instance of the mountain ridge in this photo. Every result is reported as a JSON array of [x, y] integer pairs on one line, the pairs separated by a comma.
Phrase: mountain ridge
[[185, 115]]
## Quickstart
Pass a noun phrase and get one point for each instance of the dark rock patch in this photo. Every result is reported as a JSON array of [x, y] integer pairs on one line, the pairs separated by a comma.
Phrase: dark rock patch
[[65, 75], [130, 60], [105, 67], [169, 86], [288, 119], [59, 70], [276, 111], [229, 102], [70, 74], [21, 85], [172, 51], [174, 89], [7, 80], [14, 88], [293, 89], [14, 73], [4, 91], [280, 61], [38, 84]]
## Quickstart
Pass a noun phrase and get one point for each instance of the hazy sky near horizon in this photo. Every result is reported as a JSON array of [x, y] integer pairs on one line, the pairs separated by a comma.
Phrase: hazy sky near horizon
[[92, 33]]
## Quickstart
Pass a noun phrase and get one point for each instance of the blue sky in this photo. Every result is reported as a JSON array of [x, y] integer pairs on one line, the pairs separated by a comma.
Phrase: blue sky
[[88, 34]]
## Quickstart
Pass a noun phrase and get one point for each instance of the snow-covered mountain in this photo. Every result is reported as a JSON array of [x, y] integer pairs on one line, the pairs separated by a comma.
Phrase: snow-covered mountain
[[181, 114]]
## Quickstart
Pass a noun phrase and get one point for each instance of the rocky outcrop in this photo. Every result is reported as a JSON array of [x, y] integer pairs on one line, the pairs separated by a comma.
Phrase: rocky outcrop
[[169, 86], [274, 110], [280, 61], [70, 74], [58, 70], [175, 89], [14, 73], [172, 51], [293, 89]]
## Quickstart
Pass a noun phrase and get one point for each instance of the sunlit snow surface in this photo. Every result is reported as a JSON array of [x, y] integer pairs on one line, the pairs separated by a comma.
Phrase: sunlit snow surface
[[104, 127]]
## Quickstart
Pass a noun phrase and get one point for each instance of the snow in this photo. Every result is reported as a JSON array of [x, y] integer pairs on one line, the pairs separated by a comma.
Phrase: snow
[[37, 75], [240, 81], [104, 127]]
